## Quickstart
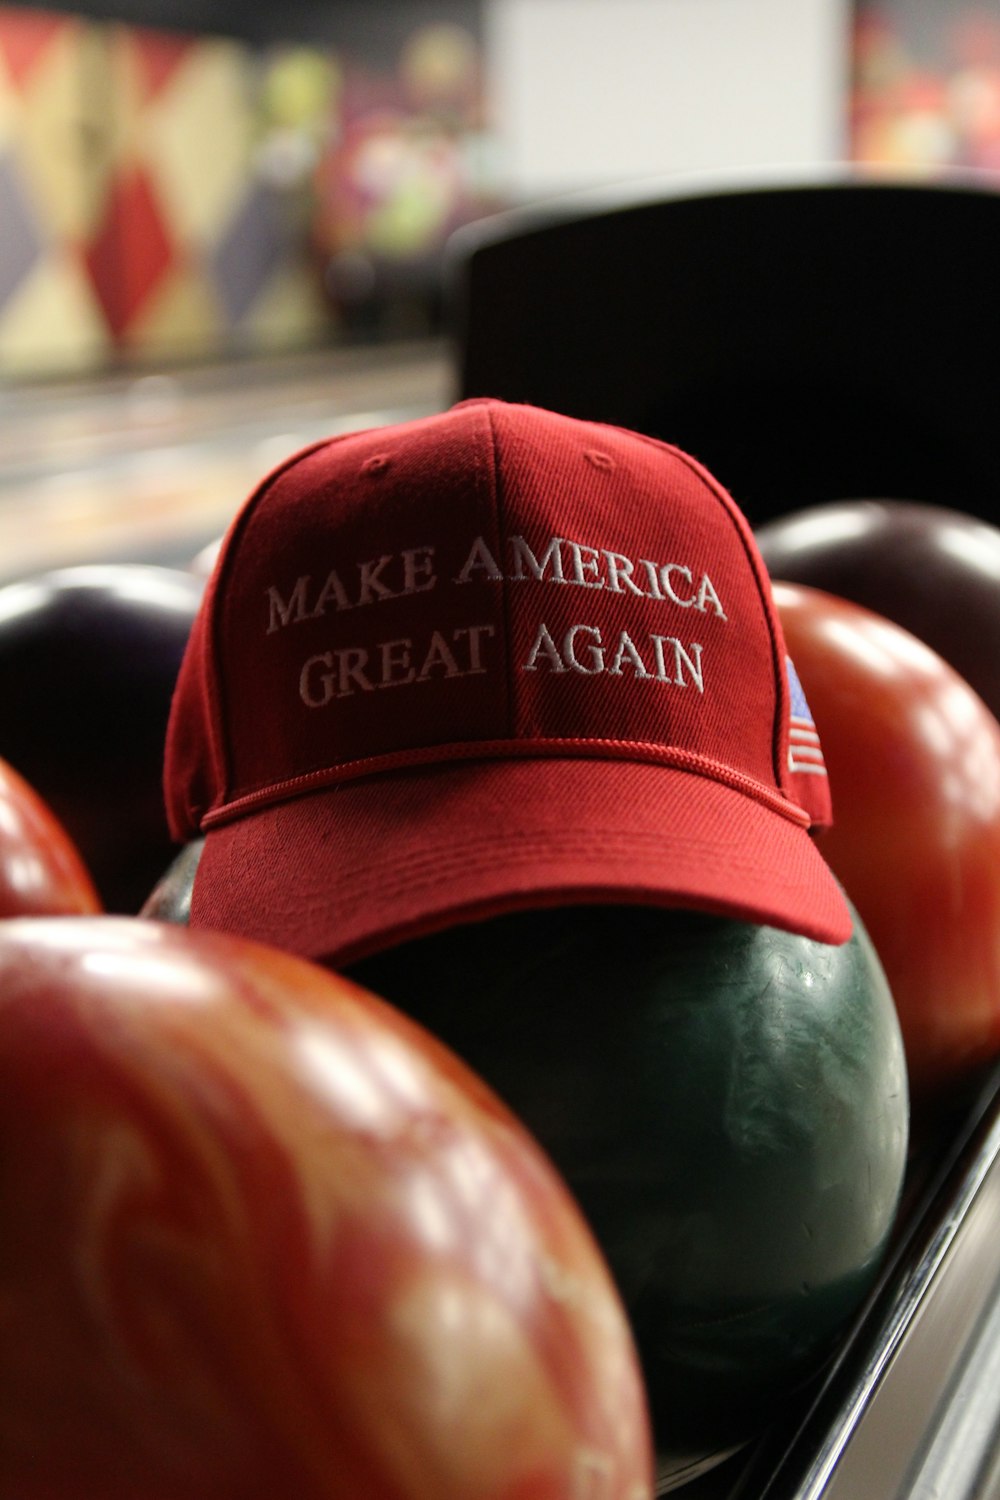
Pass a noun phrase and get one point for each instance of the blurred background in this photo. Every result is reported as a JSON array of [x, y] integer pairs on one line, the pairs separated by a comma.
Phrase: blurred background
[[223, 226]]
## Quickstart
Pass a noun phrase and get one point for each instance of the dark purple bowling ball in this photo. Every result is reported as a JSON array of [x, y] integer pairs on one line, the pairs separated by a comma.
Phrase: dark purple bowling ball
[[88, 660], [935, 572]]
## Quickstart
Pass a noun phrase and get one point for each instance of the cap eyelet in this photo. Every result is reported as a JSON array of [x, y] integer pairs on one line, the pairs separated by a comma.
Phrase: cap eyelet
[[598, 459], [377, 464]]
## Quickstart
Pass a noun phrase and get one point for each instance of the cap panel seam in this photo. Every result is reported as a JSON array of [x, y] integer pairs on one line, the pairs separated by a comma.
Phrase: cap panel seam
[[499, 507]]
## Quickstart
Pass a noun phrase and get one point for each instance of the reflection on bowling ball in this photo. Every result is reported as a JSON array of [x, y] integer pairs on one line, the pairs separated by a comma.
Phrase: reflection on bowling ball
[[728, 1104], [936, 572], [203, 562], [913, 757], [88, 661], [41, 872], [264, 1237]]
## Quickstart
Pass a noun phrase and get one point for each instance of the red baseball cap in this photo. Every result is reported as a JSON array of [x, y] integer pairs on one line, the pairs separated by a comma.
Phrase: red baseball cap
[[488, 659]]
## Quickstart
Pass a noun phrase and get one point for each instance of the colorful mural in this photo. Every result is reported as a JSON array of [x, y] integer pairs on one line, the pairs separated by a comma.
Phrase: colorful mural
[[169, 196]]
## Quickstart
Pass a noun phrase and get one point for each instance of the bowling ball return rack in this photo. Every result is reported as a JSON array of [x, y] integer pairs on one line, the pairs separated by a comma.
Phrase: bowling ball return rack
[[909, 1406], [822, 337], [810, 338]]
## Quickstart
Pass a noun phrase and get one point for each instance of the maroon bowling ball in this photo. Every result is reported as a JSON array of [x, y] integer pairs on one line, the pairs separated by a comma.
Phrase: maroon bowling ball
[[935, 572], [88, 660]]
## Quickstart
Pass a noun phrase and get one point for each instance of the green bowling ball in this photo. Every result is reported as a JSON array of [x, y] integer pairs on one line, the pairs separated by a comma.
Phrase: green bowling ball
[[170, 898], [728, 1103]]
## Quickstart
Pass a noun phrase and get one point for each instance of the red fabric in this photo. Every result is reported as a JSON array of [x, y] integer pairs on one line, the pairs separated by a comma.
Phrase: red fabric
[[438, 611], [337, 875]]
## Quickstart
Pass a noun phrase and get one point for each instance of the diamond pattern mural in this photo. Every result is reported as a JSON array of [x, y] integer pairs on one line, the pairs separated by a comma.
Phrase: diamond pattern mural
[[198, 133], [131, 251], [55, 126], [25, 37], [169, 195], [47, 317], [137, 219]]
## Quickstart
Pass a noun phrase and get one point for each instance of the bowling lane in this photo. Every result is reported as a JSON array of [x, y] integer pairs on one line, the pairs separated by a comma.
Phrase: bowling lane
[[151, 466]]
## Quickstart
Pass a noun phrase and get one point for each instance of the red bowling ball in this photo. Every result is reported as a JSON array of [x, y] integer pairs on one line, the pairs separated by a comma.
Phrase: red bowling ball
[[265, 1237], [934, 571], [41, 871], [913, 756]]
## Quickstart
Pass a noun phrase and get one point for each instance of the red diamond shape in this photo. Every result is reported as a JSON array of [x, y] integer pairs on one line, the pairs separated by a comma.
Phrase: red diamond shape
[[131, 252], [159, 56], [24, 36]]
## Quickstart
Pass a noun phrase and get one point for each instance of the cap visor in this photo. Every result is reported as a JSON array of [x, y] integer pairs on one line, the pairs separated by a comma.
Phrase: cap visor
[[339, 874]]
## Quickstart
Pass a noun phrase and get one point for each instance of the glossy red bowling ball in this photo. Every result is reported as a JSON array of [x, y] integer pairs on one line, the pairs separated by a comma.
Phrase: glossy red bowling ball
[[913, 756], [264, 1237], [88, 661], [934, 571], [41, 872]]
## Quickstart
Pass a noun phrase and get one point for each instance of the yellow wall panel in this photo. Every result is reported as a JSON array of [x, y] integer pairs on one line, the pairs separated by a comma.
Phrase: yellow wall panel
[[198, 138], [62, 127], [126, 90], [290, 311], [181, 320], [52, 323]]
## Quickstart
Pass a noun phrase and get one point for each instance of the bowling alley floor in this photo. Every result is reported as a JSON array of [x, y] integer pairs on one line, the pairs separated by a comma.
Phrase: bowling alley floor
[[150, 465]]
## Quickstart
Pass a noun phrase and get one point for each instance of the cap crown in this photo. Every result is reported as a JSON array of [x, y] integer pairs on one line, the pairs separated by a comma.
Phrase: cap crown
[[492, 581]]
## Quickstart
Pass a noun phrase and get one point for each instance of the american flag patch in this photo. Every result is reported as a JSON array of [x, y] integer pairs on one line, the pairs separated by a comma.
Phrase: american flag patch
[[804, 750]]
